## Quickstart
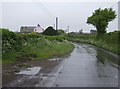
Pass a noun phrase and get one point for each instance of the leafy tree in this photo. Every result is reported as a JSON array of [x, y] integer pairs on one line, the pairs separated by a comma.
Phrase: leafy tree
[[101, 18], [50, 31]]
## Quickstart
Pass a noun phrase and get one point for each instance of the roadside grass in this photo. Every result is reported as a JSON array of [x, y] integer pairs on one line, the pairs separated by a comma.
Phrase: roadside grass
[[109, 41], [38, 52], [9, 57], [50, 50], [107, 46]]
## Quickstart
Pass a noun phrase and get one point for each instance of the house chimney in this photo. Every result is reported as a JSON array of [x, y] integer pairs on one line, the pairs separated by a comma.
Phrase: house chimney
[[38, 25]]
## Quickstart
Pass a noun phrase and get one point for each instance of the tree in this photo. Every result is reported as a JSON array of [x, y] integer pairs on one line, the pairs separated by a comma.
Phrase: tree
[[50, 31], [101, 18]]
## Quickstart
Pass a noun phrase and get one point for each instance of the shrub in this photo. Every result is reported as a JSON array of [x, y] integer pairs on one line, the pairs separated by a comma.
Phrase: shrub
[[50, 31], [10, 41], [60, 31]]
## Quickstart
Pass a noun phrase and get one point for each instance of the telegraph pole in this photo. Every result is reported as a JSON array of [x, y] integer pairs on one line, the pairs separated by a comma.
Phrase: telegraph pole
[[118, 37], [56, 23], [119, 15], [68, 29]]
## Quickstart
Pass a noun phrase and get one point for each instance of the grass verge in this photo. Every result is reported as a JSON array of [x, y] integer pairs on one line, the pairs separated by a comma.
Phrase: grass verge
[[106, 42], [37, 52]]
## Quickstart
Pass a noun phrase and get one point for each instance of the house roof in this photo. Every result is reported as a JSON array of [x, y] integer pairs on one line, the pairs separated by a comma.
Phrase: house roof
[[30, 28]]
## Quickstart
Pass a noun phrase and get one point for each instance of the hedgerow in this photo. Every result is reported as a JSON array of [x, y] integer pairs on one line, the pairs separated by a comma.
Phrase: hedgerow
[[109, 41]]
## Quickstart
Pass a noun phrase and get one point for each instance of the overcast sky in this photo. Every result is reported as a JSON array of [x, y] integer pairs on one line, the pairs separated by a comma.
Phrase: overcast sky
[[73, 14]]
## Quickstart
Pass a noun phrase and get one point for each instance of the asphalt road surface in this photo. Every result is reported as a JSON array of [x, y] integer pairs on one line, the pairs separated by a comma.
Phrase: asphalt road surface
[[87, 66]]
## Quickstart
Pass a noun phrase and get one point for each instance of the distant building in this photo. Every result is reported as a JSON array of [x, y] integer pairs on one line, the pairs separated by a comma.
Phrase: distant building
[[93, 31], [66, 31], [29, 29], [81, 31]]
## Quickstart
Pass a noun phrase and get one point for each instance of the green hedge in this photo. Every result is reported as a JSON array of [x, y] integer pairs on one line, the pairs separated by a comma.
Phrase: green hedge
[[109, 41], [15, 44]]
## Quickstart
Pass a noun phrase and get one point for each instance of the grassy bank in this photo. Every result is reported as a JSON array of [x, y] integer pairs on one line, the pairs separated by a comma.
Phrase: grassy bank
[[25, 47], [109, 41], [53, 49]]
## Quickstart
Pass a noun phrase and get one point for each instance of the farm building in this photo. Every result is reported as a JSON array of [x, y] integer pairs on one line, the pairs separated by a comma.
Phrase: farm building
[[29, 29], [93, 31]]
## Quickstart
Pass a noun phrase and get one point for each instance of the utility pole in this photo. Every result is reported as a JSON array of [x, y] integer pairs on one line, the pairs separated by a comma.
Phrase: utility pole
[[68, 29], [119, 15], [56, 23]]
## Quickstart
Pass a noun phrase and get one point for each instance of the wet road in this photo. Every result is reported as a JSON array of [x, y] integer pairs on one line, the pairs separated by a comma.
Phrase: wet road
[[87, 66]]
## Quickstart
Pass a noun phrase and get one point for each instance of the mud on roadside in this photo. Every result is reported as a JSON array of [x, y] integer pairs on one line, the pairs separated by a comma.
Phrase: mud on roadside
[[11, 79]]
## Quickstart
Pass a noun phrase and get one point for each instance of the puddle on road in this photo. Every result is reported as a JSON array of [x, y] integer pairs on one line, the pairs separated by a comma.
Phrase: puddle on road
[[30, 71], [54, 59]]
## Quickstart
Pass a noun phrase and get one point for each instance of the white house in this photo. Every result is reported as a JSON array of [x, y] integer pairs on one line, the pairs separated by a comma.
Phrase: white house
[[38, 29], [29, 29]]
